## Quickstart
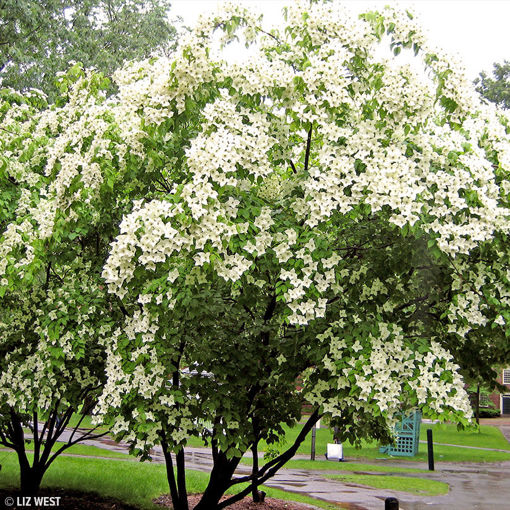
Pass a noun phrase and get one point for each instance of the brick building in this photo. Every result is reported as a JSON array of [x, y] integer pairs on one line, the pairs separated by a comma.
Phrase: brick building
[[502, 400]]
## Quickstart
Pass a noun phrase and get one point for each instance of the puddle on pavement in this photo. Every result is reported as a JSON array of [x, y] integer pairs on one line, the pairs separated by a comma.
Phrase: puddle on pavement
[[352, 506], [108, 441]]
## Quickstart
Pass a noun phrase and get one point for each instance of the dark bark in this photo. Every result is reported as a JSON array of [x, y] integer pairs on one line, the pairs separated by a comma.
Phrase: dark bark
[[181, 480], [268, 470], [477, 404], [308, 147], [255, 493], [12, 435], [219, 482], [177, 485], [30, 477], [170, 475]]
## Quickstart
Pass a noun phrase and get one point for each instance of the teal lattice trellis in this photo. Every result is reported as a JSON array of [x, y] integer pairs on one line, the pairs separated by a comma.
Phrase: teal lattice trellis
[[407, 433]]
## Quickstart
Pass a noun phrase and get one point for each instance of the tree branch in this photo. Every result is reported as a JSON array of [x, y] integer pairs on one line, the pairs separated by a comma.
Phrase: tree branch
[[37, 438], [412, 302], [4, 440], [308, 146], [269, 469]]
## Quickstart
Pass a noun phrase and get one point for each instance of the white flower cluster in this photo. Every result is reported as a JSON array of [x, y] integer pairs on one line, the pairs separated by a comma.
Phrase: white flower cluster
[[51, 345], [269, 169], [384, 372], [144, 396]]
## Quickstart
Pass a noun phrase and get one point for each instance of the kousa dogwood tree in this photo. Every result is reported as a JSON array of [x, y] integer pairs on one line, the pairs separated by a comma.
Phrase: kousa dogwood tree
[[320, 223], [337, 215], [56, 227]]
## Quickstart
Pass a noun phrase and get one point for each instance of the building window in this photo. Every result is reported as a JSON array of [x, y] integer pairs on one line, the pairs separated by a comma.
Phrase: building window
[[506, 376]]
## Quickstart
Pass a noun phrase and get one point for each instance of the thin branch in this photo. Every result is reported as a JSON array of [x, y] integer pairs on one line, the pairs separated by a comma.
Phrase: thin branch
[[77, 426], [68, 445], [270, 35], [4, 440], [412, 302], [48, 270], [122, 308], [164, 184], [274, 465], [37, 438], [10, 431], [59, 278], [308, 146]]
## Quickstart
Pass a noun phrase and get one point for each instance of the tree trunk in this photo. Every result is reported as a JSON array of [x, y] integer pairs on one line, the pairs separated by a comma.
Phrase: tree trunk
[[30, 477], [30, 480], [257, 496], [477, 404], [181, 480], [219, 482], [179, 500]]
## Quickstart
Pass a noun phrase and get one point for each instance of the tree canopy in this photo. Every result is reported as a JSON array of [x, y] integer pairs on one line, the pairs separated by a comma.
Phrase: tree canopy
[[496, 88], [38, 38], [319, 212]]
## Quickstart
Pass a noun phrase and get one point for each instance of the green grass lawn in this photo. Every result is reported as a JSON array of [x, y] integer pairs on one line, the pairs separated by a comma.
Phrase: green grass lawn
[[135, 483], [81, 449], [441, 453], [419, 486], [489, 437], [483, 437]]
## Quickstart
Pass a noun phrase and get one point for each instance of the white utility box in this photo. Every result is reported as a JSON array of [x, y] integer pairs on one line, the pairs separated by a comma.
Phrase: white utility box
[[335, 452]]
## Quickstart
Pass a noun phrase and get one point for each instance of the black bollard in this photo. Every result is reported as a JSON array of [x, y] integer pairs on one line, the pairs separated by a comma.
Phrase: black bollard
[[430, 449], [391, 504]]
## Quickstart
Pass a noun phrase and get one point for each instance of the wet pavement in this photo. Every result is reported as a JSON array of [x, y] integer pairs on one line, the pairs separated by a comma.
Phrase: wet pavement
[[472, 486]]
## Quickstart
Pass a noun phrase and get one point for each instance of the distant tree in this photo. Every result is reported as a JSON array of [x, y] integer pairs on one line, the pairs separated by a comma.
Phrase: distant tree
[[496, 89], [38, 38]]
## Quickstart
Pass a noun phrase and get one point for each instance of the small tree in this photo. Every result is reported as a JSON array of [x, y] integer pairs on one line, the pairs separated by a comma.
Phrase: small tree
[[38, 38], [496, 88], [55, 313]]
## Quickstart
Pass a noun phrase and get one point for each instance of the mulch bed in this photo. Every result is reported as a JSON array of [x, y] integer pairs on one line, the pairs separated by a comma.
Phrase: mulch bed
[[79, 500], [245, 504], [69, 500]]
